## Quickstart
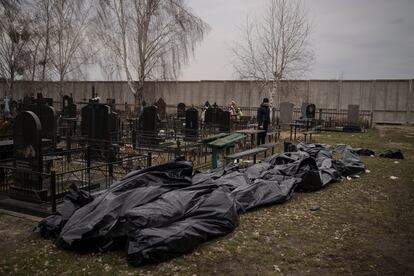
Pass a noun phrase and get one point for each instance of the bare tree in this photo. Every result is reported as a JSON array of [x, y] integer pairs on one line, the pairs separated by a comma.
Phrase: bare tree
[[43, 10], [70, 46], [149, 39], [275, 46], [14, 39]]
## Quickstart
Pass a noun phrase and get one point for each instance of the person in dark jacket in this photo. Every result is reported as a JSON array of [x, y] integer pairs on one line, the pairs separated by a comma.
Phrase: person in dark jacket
[[263, 120]]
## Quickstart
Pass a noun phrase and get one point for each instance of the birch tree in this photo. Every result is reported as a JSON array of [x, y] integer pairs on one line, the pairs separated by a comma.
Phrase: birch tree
[[274, 46], [149, 39], [70, 47]]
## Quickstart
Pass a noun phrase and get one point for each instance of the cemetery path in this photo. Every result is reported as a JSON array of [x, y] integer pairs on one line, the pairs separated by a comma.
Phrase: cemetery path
[[360, 226]]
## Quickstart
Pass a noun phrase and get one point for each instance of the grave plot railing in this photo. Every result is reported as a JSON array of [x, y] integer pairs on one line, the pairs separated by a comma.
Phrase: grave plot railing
[[166, 145], [63, 169], [65, 160], [25, 184], [334, 118], [94, 177]]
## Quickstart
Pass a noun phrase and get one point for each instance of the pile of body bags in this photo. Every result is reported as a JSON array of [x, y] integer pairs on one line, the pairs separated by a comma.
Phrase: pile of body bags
[[164, 211]]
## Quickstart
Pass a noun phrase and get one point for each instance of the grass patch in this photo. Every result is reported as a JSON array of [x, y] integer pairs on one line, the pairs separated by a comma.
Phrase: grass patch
[[364, 226]]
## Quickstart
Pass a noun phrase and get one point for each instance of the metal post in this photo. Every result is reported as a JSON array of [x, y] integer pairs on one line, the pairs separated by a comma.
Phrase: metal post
[[149, 159], [214, 158], [134, 138], [111, 159], [53, 190], [69, 147], [88, 159]]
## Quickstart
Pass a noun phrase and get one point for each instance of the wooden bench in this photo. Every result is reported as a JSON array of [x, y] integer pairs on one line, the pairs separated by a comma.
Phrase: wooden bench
[[269, 146], [306, 133], [239, 155]]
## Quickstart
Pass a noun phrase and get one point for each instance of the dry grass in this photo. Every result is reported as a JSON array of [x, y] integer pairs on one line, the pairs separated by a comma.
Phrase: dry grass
[[363, 226]]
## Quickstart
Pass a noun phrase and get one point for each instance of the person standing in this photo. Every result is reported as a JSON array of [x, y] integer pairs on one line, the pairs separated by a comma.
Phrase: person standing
[[263, 120]]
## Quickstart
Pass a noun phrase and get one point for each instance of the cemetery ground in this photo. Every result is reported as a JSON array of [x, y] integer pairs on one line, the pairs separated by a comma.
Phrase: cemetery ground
[[364, 226]]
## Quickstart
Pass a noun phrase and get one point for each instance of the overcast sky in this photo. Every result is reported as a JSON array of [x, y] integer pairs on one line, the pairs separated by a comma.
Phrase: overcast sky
[[352, 39]]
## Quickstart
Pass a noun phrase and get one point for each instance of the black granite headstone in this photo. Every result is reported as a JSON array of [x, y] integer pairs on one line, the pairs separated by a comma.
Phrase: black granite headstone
[[47, 117], [69, 107], [28, 157], [95, 121], [225, 121], [308, 111], [148, 125], [100, 129], [48, 101], [208, 116], [191, 123], [25, 103], [181, 110]]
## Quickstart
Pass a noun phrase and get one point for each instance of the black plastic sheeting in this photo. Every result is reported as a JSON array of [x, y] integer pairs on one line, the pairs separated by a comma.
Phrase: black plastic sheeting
[[166, 211], [393, 154]]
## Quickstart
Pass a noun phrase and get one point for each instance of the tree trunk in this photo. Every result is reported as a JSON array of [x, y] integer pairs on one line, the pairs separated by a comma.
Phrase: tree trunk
[[139, 95]]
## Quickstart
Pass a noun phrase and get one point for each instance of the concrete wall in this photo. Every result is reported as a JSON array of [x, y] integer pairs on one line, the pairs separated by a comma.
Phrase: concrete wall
[[389, 100]]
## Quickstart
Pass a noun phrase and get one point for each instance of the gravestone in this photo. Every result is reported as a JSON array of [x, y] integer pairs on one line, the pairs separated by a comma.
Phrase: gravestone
[[353, 114], [48, 101], [308, 111], [217, 119], [111, 103], [100, 128], [95, 122], [25, 103], [208, 117], [162, 108], [212, 117], [286, 113], [224, 121], [69, 107], [47, 117], [28, 160], [114, 126], [148, 125], [191, 124], [352, 124], [181, 110], [14, 108]]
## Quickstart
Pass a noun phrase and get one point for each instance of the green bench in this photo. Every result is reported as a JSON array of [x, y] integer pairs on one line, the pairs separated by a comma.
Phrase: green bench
[[211, 138], [223, 143]]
